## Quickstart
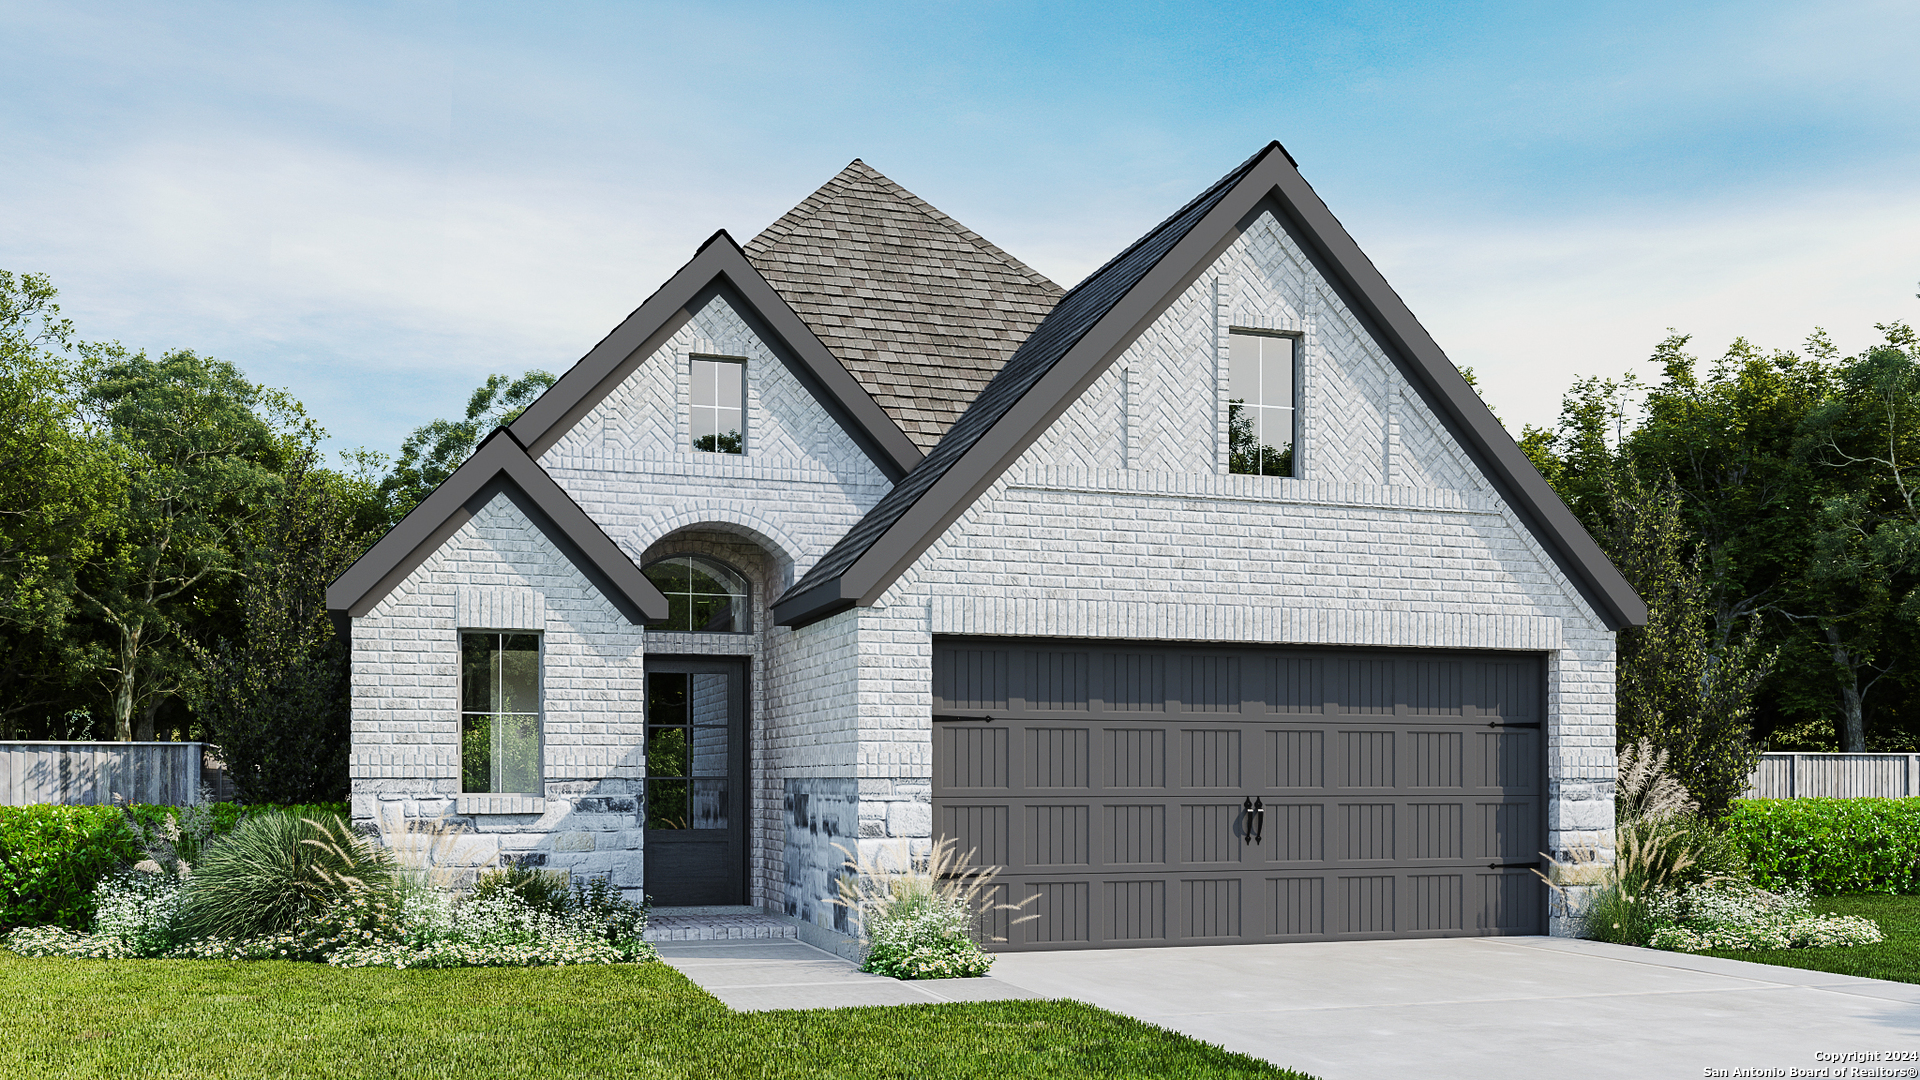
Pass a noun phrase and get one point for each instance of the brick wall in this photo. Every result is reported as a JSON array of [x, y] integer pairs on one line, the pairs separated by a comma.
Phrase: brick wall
[[499, 572], [800, 485], [1121, 521]]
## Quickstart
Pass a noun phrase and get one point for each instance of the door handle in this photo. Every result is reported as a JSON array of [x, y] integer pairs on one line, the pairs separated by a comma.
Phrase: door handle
[[1259, 820], [1247, 826]]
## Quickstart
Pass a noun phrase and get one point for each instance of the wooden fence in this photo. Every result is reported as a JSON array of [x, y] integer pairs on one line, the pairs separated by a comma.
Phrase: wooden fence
[[1839, 776], [100, 773]]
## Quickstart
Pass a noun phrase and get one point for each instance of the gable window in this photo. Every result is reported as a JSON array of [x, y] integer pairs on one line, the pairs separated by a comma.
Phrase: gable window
[[702, 595], [1263, 404], [500, 712], [719, 405]]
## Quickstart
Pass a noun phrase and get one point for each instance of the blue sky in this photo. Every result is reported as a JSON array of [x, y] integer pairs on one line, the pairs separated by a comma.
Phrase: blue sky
[[377, 205]]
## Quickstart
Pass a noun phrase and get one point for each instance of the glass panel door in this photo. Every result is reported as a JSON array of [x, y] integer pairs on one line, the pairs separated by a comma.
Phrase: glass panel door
[[695, 813]]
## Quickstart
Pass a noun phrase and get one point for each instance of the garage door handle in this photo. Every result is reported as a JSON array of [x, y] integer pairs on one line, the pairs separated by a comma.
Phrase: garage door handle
[[1256, 812]]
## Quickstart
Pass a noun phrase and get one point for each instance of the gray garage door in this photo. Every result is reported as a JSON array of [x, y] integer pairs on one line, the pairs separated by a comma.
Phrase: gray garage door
[[1144, 794]]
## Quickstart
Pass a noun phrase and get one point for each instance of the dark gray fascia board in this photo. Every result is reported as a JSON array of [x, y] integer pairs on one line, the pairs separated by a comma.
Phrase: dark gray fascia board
[[499, 466], [1445, 391], [1274, 180], [719, 264]]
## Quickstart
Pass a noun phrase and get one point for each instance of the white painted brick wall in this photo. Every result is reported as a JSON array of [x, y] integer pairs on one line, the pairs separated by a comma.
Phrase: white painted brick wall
[[499, 569], [1389, 537], [770, 512]]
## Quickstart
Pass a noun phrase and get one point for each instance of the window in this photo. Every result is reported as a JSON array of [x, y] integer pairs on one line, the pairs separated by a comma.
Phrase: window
[[686, 750], [701, 595], [1261, 388], [500, 712], [719, 405]]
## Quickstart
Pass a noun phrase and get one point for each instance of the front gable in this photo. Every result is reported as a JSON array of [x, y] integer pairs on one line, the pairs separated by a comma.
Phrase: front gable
[[1388, 393]]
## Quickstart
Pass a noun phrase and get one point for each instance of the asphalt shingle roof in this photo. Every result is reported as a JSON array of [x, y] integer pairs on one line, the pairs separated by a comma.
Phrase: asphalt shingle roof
[[921, 309], [1071, 318]]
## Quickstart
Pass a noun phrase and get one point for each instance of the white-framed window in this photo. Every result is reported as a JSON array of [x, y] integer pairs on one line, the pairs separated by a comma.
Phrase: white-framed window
[[500, 729], [1263, 395], [719, 400], [703, 595]]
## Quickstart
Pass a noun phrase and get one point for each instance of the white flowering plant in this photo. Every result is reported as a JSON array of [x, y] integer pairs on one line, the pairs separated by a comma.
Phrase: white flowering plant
[[351, 918], [1738, 916], [925, 940], [919, 916]]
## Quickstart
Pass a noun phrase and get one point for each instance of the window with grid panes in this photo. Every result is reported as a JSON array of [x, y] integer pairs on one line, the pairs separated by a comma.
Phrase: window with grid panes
[[500, 712], [719, 401], [1262, 403]]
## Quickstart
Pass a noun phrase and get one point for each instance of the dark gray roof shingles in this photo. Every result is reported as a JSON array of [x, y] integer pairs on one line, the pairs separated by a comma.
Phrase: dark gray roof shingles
[[1076, 313], [921, 309]]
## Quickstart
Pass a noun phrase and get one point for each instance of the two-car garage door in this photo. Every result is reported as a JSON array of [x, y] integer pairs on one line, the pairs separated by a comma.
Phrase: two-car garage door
[[1147, 794]]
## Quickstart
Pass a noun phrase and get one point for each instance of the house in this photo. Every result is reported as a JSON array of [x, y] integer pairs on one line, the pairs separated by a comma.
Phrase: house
[[1205, 598]]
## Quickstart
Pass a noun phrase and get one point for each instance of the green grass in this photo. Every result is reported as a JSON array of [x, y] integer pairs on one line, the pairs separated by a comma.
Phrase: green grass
[[191, 1018], [1897, 958]]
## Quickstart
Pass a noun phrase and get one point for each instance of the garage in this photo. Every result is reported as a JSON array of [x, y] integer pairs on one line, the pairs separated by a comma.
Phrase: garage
[[1147, 794]]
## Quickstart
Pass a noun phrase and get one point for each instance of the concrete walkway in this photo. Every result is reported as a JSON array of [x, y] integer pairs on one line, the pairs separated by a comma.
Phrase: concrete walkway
[[773, 974], [1490, 1008]]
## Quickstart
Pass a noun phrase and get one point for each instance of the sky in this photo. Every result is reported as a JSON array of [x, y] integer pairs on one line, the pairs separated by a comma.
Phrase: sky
[[375, 206]]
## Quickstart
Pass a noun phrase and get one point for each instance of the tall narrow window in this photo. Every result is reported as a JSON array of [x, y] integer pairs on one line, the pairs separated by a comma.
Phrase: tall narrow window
[[701, 595], [719, 405], [500, 712], [1261, 392]]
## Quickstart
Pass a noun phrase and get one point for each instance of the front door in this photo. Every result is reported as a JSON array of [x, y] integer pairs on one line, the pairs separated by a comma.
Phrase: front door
[[696, 834]]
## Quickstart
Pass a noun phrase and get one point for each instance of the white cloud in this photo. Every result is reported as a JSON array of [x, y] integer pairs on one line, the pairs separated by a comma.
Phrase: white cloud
[[1530, 306]]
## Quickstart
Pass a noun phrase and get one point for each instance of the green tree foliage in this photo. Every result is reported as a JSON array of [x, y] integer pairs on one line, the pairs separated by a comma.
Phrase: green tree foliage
[[433, 451], [1674, 688], [59, 483], [277, 685], [1792, 472], [204, 452]]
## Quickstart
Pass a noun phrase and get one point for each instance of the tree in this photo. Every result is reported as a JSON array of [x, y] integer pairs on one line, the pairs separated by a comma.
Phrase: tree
[[278, 700], [1673, 687], [1859, 590], [434, 451], [203, 450], [59, 481]]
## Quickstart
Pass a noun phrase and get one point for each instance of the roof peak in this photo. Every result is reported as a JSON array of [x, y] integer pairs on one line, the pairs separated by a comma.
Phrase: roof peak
[[921, 309]]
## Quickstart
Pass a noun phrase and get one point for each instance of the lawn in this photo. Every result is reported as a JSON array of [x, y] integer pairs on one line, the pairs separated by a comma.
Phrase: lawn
[[193, 1018], [1897, 958]]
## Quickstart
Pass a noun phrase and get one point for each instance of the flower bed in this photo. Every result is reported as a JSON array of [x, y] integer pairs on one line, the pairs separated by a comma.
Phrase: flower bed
[[285, 888], [1738, 916]]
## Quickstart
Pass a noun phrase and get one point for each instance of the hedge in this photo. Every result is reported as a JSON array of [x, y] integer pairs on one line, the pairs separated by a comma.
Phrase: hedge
[[52, 856], [1833, 847]]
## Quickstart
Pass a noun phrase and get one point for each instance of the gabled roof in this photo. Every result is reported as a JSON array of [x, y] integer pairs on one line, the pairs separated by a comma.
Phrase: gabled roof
[[718, 267], [499, 466], [1099, 318], [920, 308]]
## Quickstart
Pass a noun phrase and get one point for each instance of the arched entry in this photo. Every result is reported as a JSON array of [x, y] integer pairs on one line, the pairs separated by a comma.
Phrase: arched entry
[[696, 808]]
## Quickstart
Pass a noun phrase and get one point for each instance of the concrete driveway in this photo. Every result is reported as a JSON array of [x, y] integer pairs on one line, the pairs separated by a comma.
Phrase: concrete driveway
[[1491, 1008]]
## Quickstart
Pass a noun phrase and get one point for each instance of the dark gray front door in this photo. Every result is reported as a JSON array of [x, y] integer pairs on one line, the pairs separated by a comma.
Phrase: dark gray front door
[[696, 834], [1146, 794]]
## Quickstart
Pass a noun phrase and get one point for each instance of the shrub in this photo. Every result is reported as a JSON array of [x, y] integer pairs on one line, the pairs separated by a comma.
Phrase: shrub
[[1739, 916], [919, 919], [1831, 847], [276, 870], [542, 890], [52, 856], [139, 912], [924, 938]]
